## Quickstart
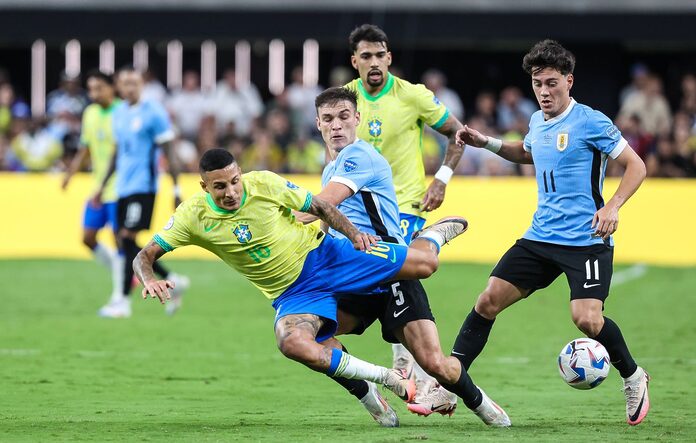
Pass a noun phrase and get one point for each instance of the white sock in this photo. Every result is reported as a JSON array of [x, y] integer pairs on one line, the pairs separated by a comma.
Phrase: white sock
[[117, 271], [635, 376], [353, 368], [103, 255], [434, 236]]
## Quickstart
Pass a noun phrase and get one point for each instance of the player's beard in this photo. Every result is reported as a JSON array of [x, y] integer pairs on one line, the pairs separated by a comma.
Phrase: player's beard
[[377, 81]]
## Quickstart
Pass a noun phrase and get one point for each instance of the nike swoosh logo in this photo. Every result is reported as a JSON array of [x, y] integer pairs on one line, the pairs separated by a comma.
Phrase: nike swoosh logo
[[635, 416], [396, 314], [590, 286], [458, 353], [393, 257], [208, 229]]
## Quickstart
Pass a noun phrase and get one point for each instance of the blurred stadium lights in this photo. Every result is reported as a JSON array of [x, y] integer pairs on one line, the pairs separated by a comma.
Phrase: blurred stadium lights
[[38, 78], [208, 66], [107, 57], [141, 55], [310, 63], [242, 63], [175, 60], [276, 66], [72, 58]]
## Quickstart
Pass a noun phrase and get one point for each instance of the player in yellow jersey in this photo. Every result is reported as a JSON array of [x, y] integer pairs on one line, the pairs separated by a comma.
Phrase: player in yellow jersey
[[394, 112], [97, 144], [247, 221]]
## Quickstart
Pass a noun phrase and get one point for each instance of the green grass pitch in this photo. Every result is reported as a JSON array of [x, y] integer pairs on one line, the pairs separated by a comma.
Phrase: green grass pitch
[[213, 373]]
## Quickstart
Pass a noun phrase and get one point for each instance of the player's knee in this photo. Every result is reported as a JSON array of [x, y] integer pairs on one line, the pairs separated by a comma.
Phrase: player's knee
[[89, 240], [588, 323], [293, 347], [488, 304]]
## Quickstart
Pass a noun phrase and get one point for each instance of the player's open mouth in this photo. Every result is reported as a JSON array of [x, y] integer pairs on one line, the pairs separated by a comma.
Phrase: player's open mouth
[[374, 75]]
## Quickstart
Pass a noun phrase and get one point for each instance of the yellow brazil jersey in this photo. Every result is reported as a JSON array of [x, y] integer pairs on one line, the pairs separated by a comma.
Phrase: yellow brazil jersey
[[97, 136], [392, 121], [261, 240]]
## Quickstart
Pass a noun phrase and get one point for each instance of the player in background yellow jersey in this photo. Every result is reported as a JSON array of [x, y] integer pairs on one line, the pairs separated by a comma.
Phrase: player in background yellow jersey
[[394, 112], [97, 144]]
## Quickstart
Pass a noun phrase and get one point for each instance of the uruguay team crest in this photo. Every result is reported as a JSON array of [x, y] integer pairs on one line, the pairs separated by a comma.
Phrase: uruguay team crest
[[562, 142], [374, 127], [243, 233]]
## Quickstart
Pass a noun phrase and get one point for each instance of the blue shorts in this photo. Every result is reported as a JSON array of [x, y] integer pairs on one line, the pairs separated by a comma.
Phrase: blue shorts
[[335, 266], [409, 224], [97, 218]]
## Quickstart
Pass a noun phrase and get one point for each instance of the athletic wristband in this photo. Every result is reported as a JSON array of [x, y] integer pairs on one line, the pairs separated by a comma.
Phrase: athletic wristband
[[177, 191], [444, 174], [494, 144]]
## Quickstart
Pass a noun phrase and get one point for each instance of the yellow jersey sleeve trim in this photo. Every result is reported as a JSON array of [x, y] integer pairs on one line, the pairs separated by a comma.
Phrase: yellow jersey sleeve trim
[[163, 244]]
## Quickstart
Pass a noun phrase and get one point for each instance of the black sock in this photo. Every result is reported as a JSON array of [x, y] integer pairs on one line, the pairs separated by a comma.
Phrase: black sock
[[130, 249], [357, 388], [612, 339], [466, 390], [472, 337], [160, 270]]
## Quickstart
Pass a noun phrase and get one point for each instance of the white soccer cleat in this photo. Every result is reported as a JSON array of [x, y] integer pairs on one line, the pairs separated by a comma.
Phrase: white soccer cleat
[[398, 381], [116, 308], [491, 414], [402, 359], [378, 408], [636, 392], [438, 399], [181, 284], [448, 228]]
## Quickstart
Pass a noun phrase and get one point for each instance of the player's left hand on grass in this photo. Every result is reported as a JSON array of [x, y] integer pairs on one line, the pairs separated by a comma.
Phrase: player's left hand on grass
[[158, 289], [364, 242], [605, 222], [434, 196]]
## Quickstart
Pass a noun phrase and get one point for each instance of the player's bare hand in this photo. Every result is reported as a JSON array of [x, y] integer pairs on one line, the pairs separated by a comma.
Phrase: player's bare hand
[[471, 137], [158, 289], [364, 242], [434, 196], [605, 222]]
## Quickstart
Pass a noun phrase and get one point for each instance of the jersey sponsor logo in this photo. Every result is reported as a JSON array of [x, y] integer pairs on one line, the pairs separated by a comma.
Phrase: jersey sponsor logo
[[209, 228], [291, 185], [613, 131], [169, 224], [375, 127], [398, 313], [436, 101], [547, 139], [243, 233], [562, 142], [350, 166]]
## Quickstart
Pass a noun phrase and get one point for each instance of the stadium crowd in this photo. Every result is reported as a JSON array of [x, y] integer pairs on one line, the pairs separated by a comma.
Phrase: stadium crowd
[[280, 134]]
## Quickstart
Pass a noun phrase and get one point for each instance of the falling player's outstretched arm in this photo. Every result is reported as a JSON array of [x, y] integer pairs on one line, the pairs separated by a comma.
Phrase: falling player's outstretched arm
[[510, 150], [606, 219], [333, 193], [333, 217], [435, 194], [142, 265]]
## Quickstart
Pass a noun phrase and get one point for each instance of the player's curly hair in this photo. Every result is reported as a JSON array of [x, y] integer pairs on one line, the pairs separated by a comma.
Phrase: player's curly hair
[[367, 33], [214, 159], [96, 73], [548, 54], [335, 95]]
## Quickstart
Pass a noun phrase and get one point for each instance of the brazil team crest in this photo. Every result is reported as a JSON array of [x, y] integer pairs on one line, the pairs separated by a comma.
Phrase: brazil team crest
[[243, 233], [374, 127], [562, 142]]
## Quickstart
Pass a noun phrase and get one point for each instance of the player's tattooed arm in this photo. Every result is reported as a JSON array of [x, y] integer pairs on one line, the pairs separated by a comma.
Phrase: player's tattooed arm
[[435, 194], [142, 265], [335, 219]]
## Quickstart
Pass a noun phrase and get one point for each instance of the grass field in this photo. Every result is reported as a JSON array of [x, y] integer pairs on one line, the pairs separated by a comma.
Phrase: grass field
[[212, 372]]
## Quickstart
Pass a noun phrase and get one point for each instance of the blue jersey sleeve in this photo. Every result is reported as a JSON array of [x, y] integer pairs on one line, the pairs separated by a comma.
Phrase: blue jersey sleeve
[[354, 169], [162, 131], [603, 135]]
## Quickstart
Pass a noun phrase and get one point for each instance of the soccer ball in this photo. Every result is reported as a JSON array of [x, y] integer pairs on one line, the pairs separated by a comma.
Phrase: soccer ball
[[584, 363]]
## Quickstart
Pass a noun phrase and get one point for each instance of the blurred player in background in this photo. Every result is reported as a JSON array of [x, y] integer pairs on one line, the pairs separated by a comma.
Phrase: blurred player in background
[[568, 143], [358, 181], [393, 114], [97, 144], [139, 127]]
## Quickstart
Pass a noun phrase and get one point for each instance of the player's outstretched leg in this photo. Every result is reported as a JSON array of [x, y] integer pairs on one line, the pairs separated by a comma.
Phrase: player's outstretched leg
[[442, 231]]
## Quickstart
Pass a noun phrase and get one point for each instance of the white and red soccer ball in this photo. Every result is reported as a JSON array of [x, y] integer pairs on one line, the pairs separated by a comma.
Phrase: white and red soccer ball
[[584, 363]]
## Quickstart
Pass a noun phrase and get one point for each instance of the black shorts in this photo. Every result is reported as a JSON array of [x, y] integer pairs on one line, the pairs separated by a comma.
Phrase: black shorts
[[399, 303], [135, 211], [534, 265]]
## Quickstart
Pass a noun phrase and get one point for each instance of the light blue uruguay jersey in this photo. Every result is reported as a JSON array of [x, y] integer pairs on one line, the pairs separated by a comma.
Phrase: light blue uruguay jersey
[[570, 153], [372, 207], [138, 129]]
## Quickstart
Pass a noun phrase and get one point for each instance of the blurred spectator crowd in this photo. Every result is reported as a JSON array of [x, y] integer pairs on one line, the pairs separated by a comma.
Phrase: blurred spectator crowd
[[280, 134]]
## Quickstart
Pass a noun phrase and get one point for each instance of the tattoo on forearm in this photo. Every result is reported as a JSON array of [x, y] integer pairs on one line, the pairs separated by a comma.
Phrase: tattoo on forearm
[[333, 217]]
